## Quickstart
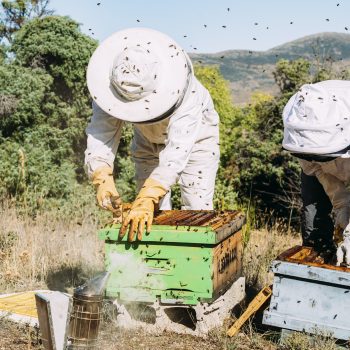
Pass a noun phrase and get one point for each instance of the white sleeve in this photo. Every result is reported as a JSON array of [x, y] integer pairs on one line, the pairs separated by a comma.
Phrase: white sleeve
[[103, 136], [183, 132]]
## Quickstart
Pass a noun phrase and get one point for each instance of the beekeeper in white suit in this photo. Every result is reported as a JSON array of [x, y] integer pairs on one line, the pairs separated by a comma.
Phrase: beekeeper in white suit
[[317, 131], [143, 77]]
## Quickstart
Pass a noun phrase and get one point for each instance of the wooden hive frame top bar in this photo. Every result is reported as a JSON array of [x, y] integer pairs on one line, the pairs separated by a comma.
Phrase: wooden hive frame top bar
[[195, 218], [308, 256], [187, 226]]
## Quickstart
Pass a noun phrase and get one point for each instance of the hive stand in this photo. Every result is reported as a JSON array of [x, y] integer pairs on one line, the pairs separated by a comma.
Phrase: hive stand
[[196, 320]]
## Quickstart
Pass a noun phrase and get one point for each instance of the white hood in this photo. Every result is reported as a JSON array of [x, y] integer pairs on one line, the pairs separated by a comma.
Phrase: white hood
[[138, 75], [317, 118]]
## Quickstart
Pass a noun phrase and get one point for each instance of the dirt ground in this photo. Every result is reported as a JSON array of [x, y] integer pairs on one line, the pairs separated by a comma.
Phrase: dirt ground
[[21, 337], [141, 340], [17, 337]]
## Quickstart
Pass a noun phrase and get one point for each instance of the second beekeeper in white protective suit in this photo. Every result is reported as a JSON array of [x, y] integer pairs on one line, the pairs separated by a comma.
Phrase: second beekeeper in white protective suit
[[143, 77], [317, 131]]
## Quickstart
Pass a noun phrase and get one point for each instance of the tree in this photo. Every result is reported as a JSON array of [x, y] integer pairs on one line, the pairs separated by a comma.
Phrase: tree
[[44, 109], [2, 53], [219, 90], [260, 171], [56, 45], [289, 75], [23, 94], [16, 13], [210, 76]]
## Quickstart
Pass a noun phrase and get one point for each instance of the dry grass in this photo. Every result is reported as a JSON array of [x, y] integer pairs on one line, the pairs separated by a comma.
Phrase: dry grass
[[263, 246], [47, 252], [300, 341], [59, 253]]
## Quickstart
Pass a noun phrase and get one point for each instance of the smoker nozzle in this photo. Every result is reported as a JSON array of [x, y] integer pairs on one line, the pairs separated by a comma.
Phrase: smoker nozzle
[[93, 287]]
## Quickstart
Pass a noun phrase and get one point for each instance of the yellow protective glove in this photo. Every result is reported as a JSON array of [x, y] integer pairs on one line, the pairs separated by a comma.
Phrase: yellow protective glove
[[142, 210], [106, 194]]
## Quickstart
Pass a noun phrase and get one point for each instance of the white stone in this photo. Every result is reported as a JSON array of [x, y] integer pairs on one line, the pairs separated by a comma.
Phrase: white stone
[[208, 316]]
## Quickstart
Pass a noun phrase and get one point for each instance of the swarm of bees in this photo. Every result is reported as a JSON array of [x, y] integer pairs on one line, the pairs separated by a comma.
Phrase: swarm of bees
[[225, 26]]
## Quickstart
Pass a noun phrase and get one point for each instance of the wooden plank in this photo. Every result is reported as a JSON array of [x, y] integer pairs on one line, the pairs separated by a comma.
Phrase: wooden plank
[[44, 322], [252, 308], [20, 304], [307, 256], [227, 262], [291, 251], [230, 228], [196, 217], [313, 257], [302, 253]]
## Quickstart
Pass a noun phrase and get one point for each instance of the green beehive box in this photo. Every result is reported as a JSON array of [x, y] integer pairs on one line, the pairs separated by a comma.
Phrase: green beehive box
[[189, 256]]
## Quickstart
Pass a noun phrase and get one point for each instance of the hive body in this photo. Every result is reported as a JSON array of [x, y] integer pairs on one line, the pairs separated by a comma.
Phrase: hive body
[[189, 256], [309, 295]]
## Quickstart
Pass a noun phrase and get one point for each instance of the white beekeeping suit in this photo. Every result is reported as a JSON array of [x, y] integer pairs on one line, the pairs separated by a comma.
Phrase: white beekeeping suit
[[317, 131], [183, 147], [149, 82]]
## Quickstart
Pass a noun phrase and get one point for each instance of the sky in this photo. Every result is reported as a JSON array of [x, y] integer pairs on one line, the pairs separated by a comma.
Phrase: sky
[[197, 25]]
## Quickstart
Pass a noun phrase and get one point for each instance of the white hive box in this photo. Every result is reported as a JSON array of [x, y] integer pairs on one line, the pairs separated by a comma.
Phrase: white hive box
[[309, 296]]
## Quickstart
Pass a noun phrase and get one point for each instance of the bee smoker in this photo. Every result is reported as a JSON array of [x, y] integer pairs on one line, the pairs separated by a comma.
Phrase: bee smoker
[[86, 314]]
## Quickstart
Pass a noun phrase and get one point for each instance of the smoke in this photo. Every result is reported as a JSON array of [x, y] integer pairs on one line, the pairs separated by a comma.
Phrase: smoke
[[135, 279]]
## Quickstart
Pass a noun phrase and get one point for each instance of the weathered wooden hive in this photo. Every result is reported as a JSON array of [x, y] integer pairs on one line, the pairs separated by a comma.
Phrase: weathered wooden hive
[[189, 256], [309, 295]]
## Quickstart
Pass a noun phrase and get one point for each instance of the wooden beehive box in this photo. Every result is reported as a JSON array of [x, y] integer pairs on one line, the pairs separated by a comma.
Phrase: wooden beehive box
[[309, 295], [189, 256]]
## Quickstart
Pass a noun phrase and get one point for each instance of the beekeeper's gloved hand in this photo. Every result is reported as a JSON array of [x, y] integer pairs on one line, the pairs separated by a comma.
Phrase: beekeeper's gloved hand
[[142, 210], [343, 251], [106, 194], [342, 217]]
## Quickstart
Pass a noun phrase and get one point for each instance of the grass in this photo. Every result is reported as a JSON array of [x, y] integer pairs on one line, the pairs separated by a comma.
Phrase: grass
[[299, 341], [56, 252], [263, 246], [47, 252]]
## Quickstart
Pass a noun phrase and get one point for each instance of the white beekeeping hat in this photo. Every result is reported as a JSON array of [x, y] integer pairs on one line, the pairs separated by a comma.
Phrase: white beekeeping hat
[[317, 118], [138, 75]]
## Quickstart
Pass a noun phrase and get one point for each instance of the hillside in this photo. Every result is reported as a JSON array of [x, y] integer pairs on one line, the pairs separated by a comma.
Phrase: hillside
[[250, 71]]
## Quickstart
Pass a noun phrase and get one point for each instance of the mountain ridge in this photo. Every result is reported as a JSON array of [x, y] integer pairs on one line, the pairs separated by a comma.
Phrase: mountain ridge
[[249, 71]]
